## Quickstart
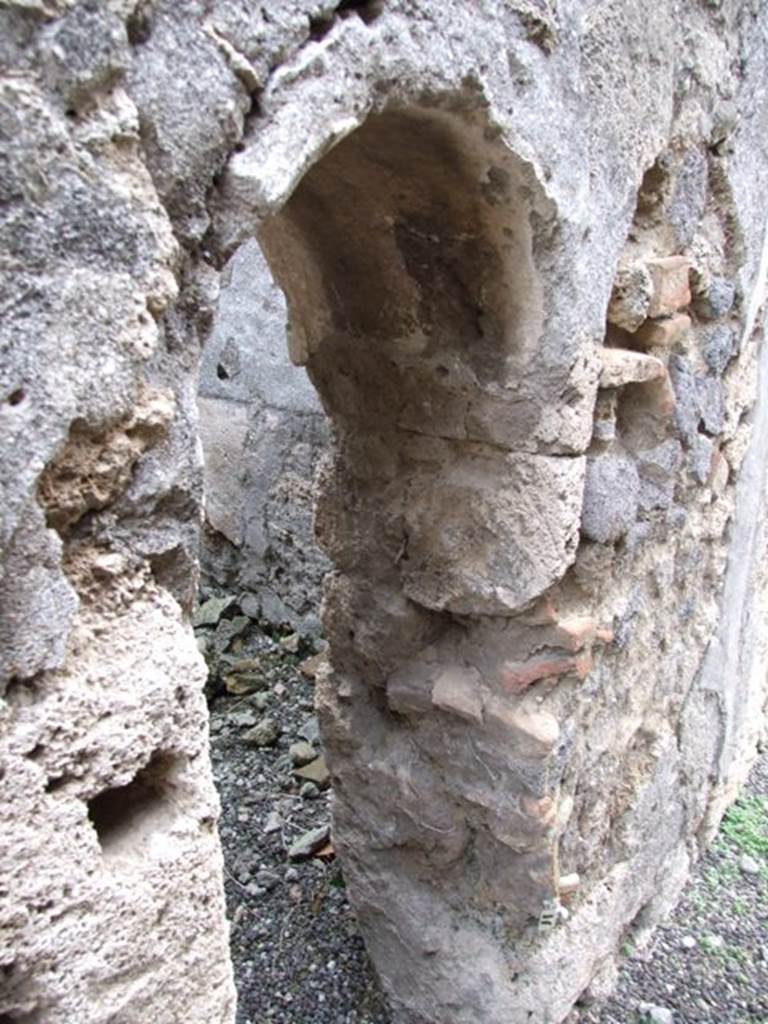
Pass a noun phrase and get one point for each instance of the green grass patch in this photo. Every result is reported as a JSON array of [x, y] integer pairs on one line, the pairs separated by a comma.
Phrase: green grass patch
[[746, 826]]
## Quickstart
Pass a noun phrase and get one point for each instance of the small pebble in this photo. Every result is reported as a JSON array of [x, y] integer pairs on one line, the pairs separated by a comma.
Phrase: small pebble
[[273, 823], [656, 1014], [748, 865], [309, 843], [290, 643], [264, 734], [243, 718], [269, 879], [301, 753]]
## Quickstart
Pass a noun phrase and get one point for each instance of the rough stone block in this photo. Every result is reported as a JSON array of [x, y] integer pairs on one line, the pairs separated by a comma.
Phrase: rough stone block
[[409, 690], [37, 602], [718, 345], [689, 196], [477, 540], [530, 733], [620, 366], [700, 459], [630, 298], [667, 333], [658, 471], [670, 285], [611, 494], [458, 691], [713, 297]]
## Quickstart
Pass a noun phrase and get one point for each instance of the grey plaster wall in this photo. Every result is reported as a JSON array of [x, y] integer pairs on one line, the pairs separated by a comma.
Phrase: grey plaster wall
[[263, 433]]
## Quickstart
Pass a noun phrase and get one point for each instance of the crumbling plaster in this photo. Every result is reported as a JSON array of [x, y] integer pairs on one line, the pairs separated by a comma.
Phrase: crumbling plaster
[[263, 433], [503, 712]]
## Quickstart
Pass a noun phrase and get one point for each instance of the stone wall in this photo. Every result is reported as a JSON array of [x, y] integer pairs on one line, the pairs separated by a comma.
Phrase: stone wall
[[263, 434], [523, 252]]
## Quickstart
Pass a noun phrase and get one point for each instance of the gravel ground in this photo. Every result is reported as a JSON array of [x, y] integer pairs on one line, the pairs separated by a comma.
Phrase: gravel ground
[[297, 953], [298, 956]]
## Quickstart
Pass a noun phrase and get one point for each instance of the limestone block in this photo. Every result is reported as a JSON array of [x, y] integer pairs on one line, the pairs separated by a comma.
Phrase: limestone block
[[488, 535], [117, 856], [37, 602], [457, 691], [620, 366]]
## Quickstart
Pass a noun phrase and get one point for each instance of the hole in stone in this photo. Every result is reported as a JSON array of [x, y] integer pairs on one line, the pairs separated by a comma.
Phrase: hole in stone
[[125, 816], [368, 10], [138, 25], [653, 190], [320, 27], [57, 782]]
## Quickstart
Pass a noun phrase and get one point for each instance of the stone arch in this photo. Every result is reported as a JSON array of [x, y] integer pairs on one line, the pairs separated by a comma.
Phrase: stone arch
[[410, 260]]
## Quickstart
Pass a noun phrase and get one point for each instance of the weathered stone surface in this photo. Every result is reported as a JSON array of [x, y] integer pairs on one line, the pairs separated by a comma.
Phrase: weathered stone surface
[[223, 433], [263, 433], [37, 603], [315, 771], [670, 285], [666, 334], [630, 298], [620, 366], [689, 196], [459, 693], [611, 492], [309, 843], [713, 296], [658, 471], [491, 534], [718, 346], [264, 734], [446, 226]]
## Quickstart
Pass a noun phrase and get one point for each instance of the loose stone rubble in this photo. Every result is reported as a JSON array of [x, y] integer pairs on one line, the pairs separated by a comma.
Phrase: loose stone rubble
[[522, 248]]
